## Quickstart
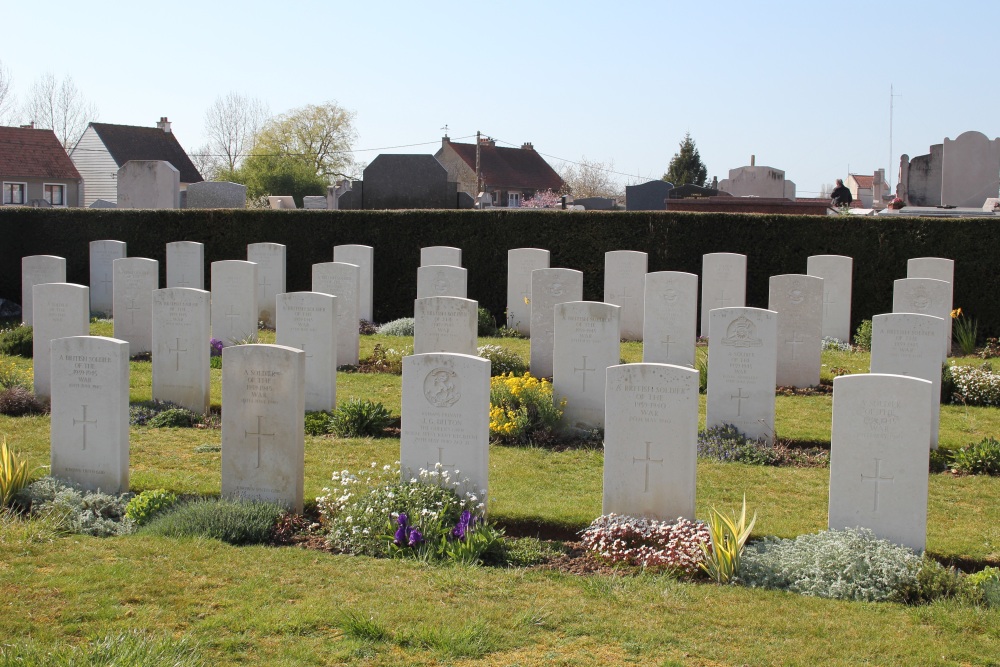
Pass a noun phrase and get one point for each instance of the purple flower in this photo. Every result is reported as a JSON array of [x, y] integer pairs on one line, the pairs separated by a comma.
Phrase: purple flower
[[216, 346], [402, 519], [400, 538], [415, 536], [464, 521]]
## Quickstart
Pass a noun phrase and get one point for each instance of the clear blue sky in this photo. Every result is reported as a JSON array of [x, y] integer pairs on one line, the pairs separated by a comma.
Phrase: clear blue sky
[[804, 86]]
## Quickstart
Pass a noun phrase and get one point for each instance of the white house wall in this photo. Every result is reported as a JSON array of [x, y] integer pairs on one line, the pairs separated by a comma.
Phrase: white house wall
[[97, 168]]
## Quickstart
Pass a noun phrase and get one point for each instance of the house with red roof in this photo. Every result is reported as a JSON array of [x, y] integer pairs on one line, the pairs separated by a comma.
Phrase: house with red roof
[[509, 175], [35, 169], [868, 191]]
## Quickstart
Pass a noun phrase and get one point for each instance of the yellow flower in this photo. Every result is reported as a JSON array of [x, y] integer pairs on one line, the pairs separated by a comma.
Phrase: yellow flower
[[955, 314]]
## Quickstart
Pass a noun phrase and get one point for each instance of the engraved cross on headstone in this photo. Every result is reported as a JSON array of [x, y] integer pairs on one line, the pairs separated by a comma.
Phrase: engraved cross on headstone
[[795, 342], [263, 281], [131, 308], [584, 370], [647, 461], [667, 340], [827, 302], [183, 282], [302, 346], [878, 479], [85, 422], [177, 350], [440, 459], [231, 316], [739, 398], [722, 300], [104, 282], [624, 296], [259, 434]]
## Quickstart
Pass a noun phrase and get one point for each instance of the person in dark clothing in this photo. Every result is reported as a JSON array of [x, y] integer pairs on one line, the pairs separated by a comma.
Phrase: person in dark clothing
[[841, 196]]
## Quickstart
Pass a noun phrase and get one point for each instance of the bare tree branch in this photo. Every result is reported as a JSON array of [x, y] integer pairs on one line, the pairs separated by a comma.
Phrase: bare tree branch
[[7, 102], [232, 124], [60, 107]]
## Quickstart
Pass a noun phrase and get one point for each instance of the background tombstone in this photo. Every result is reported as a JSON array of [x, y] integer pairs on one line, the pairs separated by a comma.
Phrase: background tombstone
[[624, 280], [342, 280], [648, 196], [445, 417], [270, 261], [89, 422], [907, 344], [442, 280], [742, 355], [440, 255], [263, 438], [520, 263], [364, 257], [307, 321], [61, 310], [445, 324], [216, 194], [186, 264], [670, 319], [102, 257], [181, 367], [281, 202], [549, 287], [152, 184], [103, 203], [651, 441], [38, 270], [879, 456], [798, 300], [135, 280], [925, 296], [234, 301], [723, 284], [937, 268], [314, 202], [586, 344], [837, 273]]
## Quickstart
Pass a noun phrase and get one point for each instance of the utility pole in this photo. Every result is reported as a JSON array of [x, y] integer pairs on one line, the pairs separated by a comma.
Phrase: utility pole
[[479, 173], [892, 97]]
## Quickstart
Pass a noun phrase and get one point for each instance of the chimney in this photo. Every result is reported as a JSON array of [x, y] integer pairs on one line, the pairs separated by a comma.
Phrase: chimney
[[528, 146], [753, 160], [164, 124], [445, 140], [29, 126], [487, 141]]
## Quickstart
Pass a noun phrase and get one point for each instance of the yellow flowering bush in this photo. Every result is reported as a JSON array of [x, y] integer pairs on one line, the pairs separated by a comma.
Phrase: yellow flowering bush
[[522, 410]]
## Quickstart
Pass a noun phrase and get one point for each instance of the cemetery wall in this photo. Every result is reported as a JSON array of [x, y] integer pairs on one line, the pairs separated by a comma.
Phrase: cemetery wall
[[674, 241]]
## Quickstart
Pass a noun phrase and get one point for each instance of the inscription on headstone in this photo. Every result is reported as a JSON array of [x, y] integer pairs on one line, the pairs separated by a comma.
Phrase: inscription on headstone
[[670, 320], [234, 301], [308, 321], [135, 280], [186, 264], [798, 300], [342, 280], [837, 273], [925, 296], [586, 344], [181, 367], [520, 263], [102, 256], [38, 270], [548, 288], [624, 280], [723, 284], [445, 324], [270, 260], [60, 310], [363, 256]]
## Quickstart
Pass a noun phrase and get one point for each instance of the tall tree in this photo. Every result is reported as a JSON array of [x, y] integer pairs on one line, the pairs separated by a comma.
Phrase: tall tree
[[320, 134], [232, 124], [6, 95], [686, 166], [591, 178], [59, 106]]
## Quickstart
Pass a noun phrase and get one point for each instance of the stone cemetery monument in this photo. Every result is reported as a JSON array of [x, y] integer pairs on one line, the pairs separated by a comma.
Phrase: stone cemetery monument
[[649, 196], [103, 203], [307, 321], [102, 256], [624, 280], [742, 353], [798, 300], [216, 194], [651, 441], [281, 202], [270, 261], [440, 255], [234, 301], [837, 273], [549, 287], [186, 264], [586, 344], [441, 280], [925, 296], [342, 281], [520, 263], [149, 184], [723, 284], [89, 422], [38, 270], [181, 368], [314, 202], [364, 257], [135, 280], [670, 320], [908, 344], [61, 310], [879, 456], [263, 439], [445, 324], [446, 418], [937, 268]]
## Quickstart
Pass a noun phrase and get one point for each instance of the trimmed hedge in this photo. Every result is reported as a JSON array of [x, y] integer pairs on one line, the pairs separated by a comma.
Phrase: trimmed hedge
[[774, 244]]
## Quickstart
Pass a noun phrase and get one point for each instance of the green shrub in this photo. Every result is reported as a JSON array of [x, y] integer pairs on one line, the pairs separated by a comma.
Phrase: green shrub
[[174, 418], [17, 342], [503, 360], [76, 510], [11, 375], [975, 386], [14, 473], [983, 587], [703, 373], [318, 423], [991, 349], [237, 522], [934, 581], [367, 328], [727, 444], [978, 458], [487, 325], [863, 336], [388, 359], [522, 411], [215, 362], [948, 387], [144, 412], [142, 508], [523, 552], [359, 418], [17, 401], [401, 327]]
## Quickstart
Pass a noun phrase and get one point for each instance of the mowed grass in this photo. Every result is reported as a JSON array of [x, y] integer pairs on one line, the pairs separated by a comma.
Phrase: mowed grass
[[288, 606]]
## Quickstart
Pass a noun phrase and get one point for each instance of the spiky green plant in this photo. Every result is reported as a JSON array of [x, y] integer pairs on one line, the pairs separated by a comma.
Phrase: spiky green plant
[[729, 534]]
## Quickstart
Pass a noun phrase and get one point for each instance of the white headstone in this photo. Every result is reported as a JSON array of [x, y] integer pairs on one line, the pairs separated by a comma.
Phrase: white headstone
[[89, 423], [281, 202], [442, 280], [102, 275], [651, 441], [837, 273], [342, 281], [154, 184], [742, 361], [798, 300], [549, 287], [307, 321], [216, 194], [624, 283], [60, 310], [520, 263], [879, 456], [440, 255], [723, 284], [181, 331], [907, 344], [263, 443], [364, 257], [186, 264], [670, 320], [234, 301], [925, 296], [969, 166], [38, 270], [135, 280], [937, 268], [586, 344], [445, 324], [446, 417], [270, 261]]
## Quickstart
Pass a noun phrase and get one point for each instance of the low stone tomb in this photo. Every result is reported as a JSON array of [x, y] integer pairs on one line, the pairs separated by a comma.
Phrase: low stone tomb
[[445, 324], [342, 280], [624, 282], [270, 261], [723, 284], [61, 310], [520, 263], [102, 256], [441, 280], [364, 257], [586, 344], [38, 270], [670, 319], [548, 288], [234, 301], [798, 300], [440, 255], [837, 273], [135, 280], [181, 331], [307, 321], [925, 296], [186, 264]]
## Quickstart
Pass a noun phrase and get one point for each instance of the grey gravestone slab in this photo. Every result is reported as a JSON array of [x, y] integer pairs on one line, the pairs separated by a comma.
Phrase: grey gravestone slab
[[307, 321], [216, 194], [445, 324], [342, 281], [586, 344], [548, 288], [624, 280], [442, 281], [37, 270], [186, 264], [837, 273], [670, 320], [270, 261], [798, 300], [102, 276], [234, 301], [723, 283], [61, 310], [149, 184], [649, 196], [314, 202], [135, 280], [364, 257], [520, 263], [103, 203], [181, 329]]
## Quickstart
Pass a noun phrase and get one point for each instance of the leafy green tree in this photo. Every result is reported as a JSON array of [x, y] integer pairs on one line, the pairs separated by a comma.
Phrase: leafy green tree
[[277, 175], [318, 134], [686, 166]]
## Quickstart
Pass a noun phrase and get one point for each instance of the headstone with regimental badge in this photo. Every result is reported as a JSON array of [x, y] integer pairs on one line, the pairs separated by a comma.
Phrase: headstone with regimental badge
[[548, 288], [798, 300], [586, 344], [181, 330], [837, 273], [61, 310], [670, 319], [342, 280], [442, 280]]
